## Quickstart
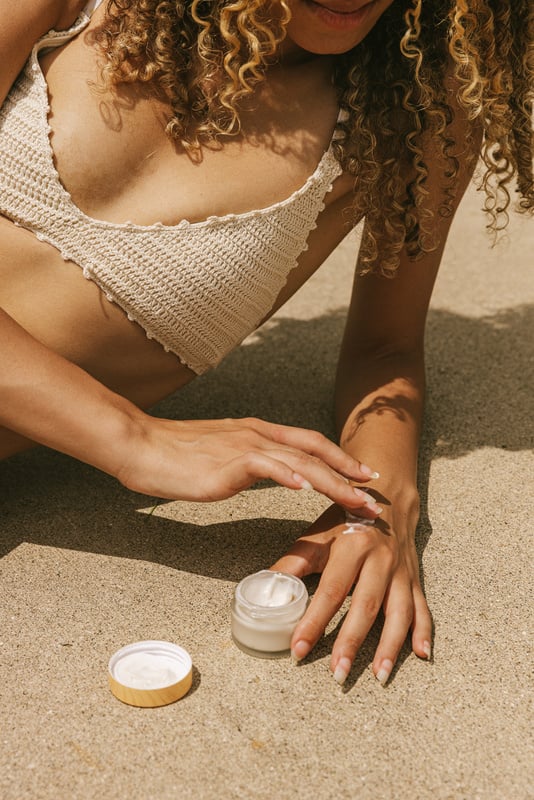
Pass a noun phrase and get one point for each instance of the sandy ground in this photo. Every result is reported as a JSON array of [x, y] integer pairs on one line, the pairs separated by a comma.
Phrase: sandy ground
[[86, 568]]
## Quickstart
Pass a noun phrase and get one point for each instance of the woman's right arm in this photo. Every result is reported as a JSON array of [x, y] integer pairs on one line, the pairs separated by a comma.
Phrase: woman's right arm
[[23, 23], [52, 401]]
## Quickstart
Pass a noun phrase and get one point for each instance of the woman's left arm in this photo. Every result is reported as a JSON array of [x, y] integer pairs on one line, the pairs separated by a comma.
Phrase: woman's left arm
[[379, 407]]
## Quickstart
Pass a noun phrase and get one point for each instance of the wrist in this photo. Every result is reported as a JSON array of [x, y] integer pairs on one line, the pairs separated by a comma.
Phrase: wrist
[[400, 503], [117, 438]]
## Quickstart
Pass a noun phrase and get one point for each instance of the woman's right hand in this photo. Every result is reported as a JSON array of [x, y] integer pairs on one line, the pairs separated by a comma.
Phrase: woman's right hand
[[49, 400], [214, 459]]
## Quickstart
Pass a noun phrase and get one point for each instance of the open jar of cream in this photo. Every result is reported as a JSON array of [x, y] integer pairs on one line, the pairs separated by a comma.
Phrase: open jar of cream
[[265, 610]]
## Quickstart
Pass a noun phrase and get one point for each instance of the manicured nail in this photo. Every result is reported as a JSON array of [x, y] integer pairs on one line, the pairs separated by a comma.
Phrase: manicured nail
[[368, 499], [368, 471], [300, 650], [342, 670], [376, 509], [304, 484], [427, 649], [385, 671]]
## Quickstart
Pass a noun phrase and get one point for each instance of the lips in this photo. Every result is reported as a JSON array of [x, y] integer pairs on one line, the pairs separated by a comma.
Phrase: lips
[[340, 17], [337, 9]]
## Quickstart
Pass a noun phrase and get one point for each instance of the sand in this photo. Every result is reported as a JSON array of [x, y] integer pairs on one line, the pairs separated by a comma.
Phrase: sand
[[88, 567]]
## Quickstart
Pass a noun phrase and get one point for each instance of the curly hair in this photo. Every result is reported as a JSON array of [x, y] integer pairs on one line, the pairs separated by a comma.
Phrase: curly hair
[[206, 57]]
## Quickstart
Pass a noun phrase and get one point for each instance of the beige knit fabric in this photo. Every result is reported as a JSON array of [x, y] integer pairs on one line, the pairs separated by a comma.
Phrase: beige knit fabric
[[197, 288]]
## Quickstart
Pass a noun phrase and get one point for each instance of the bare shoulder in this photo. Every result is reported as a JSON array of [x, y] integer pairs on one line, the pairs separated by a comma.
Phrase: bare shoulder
[[22, 24]]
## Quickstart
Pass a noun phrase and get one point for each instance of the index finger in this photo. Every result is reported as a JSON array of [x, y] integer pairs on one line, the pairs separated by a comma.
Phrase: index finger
[[316, 444], [337, 579]]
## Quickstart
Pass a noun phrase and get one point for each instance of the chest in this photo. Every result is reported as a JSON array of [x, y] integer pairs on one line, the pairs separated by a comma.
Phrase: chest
[[114, 157]]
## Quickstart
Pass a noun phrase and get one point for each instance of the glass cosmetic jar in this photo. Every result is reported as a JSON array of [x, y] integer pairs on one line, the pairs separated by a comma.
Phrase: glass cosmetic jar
[[265, 611]]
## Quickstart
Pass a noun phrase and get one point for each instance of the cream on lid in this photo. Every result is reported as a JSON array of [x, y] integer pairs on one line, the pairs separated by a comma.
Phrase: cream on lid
[[147, 671], [150, 665]]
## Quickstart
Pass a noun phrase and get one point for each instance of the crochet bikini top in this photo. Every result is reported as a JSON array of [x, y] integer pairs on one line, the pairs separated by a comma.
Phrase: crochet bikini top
[[198, 288]]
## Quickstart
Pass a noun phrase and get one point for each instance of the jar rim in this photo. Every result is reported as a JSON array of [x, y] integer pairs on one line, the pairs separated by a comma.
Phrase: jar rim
[[258, 610]]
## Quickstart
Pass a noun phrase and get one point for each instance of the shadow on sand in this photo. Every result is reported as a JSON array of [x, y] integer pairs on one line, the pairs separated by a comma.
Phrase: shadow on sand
[[478, 396], [480, 384]]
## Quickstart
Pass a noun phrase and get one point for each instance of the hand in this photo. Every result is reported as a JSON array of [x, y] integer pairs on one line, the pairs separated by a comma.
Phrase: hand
[[385, 572], [215, 459]]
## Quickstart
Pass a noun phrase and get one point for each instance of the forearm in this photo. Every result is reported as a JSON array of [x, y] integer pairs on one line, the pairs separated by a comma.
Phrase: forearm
[[379, 402], [53, 402], [379, 409]]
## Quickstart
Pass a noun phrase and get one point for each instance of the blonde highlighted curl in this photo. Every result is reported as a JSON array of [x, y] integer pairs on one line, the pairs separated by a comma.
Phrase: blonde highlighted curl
[[205, 57]]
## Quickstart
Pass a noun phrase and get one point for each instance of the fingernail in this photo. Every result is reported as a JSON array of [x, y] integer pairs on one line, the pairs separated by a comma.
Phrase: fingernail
[[385, 671], [368, 499], [304, 484], [342, 670], [374, 507], [300, 650], [427, 649], [368, 471]]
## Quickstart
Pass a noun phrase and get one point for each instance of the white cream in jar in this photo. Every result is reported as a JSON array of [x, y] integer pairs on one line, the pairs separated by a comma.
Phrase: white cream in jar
[[265, 611]]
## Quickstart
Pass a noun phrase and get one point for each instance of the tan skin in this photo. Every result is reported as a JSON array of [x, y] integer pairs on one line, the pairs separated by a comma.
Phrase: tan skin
[[118, 164]]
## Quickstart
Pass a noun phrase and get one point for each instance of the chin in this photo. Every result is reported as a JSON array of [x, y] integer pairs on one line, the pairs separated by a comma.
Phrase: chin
[[332, 27]]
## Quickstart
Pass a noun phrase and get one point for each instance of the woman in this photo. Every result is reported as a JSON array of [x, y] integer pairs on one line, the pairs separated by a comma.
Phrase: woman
[[205, 158]]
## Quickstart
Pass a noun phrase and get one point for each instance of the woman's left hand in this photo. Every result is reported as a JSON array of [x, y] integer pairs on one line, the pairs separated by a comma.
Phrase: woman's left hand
[[384, 570]]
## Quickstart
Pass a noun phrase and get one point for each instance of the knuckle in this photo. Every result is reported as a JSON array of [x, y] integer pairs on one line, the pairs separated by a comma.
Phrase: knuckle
[[369, 606], [367, 539], [404, 614], [305, 460], [311, 627], [315, 438], [334, 592], [252, 426], [251, 460], [351, 644], [388, 557]]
